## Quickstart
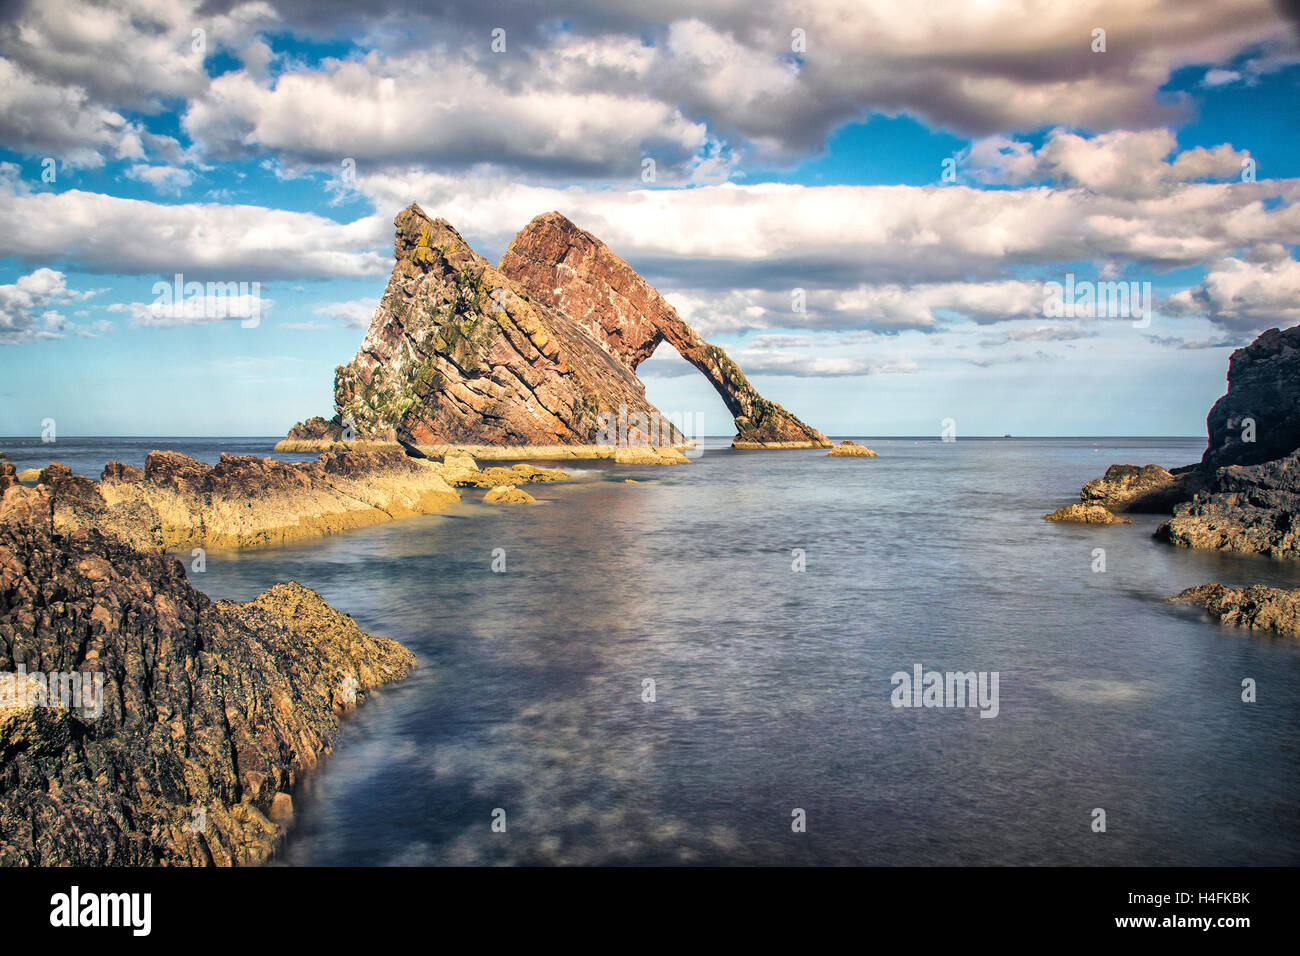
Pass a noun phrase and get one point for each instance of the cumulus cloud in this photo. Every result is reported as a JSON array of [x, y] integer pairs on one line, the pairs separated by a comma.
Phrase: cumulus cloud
[[169, 180], [592, 87], [97, 233], [896, 307], [804, 235], [974, 68], [1123, 163], [244, 303], [1244, 296], [802, 365], [355, 314], [28, 310], [71, 68], [450, 108]]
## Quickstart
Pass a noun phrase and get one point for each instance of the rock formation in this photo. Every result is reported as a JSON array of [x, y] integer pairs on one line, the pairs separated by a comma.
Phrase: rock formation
[[577, 274], [1258, 419], [1244, 494], [537, 354], [1148, 488], [508, 495], [1260, 608], [850, 449], [1253, 509], [1086, 514], [243, 501], [188, 722]]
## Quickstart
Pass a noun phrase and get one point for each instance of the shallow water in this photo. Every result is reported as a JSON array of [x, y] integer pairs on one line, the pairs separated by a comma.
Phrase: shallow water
[[773, 687]]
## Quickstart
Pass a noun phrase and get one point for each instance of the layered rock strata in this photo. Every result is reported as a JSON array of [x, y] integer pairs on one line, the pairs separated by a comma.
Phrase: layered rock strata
[[538, 355], [571, 270]]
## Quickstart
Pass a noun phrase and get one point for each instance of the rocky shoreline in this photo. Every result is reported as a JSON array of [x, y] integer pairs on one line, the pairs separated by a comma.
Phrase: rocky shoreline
[[619, 454], [204, 714], [244, 501], [1243, 496]]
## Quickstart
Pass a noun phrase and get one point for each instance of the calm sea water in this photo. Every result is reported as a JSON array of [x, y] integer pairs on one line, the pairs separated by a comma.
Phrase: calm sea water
[[773, 686]]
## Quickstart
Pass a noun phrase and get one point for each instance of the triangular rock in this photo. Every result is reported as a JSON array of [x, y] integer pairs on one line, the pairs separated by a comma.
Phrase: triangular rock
[[461, 353]]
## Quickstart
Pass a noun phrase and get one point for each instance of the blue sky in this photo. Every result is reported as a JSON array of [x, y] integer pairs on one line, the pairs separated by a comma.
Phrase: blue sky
[[217, 141]]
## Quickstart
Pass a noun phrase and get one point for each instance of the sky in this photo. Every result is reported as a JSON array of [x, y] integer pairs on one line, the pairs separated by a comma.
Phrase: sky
[[875, 207]]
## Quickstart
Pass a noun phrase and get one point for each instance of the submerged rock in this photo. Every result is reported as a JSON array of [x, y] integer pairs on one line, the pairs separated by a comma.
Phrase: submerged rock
[[850, 449], [1086, 514], [192, 720], [1256, 607]]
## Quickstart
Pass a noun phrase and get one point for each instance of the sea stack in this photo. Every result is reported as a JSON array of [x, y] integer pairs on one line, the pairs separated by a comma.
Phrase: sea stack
[[536, 357]]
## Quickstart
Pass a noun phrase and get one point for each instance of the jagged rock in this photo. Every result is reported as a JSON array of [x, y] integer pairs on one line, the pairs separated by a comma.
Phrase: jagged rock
[[1263, 386], [8, 475], [116, 471], [316, 429], [205, 715], [508, 495], [1256, 607], [850, 449], [29, 476], [1253, 509], [1241, 496], [1148, 488], [573, 271], [460, 353], [1086, 514], [245, 501]]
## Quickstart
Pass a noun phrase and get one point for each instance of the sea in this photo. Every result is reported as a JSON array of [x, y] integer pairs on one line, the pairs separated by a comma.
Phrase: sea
[[704, 666]]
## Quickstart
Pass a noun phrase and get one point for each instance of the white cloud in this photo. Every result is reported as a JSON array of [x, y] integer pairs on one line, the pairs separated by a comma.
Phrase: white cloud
[[1122, 163], [613, 83], [780, 362], [886, 234], [445, 107], [895, 307], [72, 67], [355, 314], [1244, 296], [26, 307], [168, 180], [99, 233]]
